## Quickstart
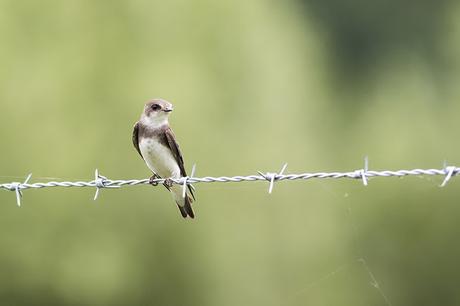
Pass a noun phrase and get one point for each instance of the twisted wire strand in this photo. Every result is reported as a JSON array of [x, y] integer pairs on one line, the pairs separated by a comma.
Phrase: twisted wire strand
[[102, 182]]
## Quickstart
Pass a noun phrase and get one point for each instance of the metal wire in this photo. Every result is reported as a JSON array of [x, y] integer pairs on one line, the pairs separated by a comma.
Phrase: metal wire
[[364, 174]]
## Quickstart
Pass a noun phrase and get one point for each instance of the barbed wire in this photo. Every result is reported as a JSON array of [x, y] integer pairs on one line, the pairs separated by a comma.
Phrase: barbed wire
[[364, 174]]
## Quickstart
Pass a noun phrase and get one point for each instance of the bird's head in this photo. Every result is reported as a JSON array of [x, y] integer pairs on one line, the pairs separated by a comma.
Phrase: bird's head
[[156, 112]]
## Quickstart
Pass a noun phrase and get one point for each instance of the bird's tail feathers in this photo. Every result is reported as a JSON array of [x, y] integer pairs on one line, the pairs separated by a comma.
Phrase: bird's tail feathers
[[184, 204]]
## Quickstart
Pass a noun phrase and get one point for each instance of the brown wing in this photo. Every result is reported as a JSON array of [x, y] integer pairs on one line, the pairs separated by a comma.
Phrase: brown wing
[[174, 147], [136, 138]]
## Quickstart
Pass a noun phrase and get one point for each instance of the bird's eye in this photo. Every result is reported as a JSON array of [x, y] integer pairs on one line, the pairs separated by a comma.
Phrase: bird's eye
[[156, 107]]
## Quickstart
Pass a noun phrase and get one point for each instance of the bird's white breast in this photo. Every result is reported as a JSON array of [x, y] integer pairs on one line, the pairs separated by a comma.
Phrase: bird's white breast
[[159, 158]]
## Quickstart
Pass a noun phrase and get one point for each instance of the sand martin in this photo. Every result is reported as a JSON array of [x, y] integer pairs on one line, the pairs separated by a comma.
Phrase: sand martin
[[157, 145]]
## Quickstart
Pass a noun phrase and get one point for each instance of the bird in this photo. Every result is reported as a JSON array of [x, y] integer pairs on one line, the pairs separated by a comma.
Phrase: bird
[[156, 143]]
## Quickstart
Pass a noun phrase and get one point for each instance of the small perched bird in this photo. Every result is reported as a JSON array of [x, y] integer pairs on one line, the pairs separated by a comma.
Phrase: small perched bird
[[157, 145]]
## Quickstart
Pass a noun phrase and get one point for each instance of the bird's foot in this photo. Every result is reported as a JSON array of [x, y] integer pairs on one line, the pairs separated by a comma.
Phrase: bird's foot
[[168, 183], [152, 180]]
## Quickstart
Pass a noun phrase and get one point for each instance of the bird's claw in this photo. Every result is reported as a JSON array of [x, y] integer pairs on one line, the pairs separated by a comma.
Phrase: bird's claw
[[152, 180], [168, 183]]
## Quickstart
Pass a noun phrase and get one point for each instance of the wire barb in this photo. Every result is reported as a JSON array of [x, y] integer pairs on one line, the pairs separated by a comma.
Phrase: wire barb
[[449, 172], [184, 181], [16, 187], [363, 173], [100, 181], [272, 177]]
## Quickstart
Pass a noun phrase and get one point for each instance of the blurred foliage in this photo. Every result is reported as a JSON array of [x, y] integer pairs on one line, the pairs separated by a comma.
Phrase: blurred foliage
[[362, 32], [255, 84]]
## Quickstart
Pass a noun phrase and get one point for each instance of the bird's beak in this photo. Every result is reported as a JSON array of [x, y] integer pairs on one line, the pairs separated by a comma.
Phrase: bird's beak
[[168, 110]]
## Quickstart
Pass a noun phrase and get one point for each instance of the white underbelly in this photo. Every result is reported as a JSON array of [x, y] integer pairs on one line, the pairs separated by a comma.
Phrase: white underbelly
[[159, 158]]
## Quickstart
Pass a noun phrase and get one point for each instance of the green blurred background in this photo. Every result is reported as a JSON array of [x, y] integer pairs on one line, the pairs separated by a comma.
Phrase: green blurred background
[[317, 84]]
